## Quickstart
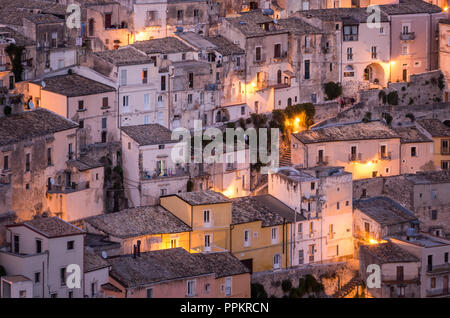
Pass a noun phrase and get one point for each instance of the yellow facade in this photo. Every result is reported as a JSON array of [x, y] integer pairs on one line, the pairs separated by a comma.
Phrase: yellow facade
[[218, 228], [441, 154], [261, 249]]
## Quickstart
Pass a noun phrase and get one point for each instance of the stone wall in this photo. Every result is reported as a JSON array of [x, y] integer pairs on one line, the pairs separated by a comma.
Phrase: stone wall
[[330, 275]]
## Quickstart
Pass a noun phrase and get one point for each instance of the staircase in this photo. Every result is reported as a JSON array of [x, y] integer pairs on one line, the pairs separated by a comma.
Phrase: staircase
[[285, 157], [348, 288]]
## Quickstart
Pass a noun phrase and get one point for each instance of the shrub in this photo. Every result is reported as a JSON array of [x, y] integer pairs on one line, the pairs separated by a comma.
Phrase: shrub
[[441, 84], [367, 117], [387, 117], [286, 285], [382, 96], [7, 110], [332, 90], [392, 98], [410, 116], [257, 291]]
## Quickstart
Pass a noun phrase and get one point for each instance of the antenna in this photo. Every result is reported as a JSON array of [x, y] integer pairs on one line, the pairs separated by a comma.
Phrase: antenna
[[52, 181], [31, 104], [43, 84], [104, 255]]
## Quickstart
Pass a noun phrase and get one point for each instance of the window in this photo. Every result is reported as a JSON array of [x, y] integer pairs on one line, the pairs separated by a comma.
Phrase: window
[[383, 151], [350, 33], [274, 235], [125, 100], [367, 227], [62, 276], [446, 257], [311, 229], [307, 70], [163, 83], [189, 98], [277, 51], [445, 165], [349, 71], [349, 54], [105, 103], [258, 54], [445, 146], [313, 185], [191, 288], [401, 291], [434, 214], [206, 217], [338, 205], [400, 273], [413, 152], [70, 294], [27, 162], [146, 101], [191, 80], [207, 242], [149, 292], [276, 261], [180, 15], [104, 123], [5, 163], [374, 52], [16, 244], [161, 147], [49, 156], [162, 192], [123, 77], [300, 229], [38, 246], [80, 105], [37, 277], [144, 76], [195, 13], [246, 237], [301, 257], [330, 231], [405, 50], [433, 282], [70, 152], [70, 245], [228, 285]]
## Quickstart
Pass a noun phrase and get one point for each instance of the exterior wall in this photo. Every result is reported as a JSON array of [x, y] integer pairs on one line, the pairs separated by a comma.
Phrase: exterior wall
[[130, 161], [240, 286], [412, 164], [153, 28], [96, 277], [17, 288], [438, 155], [178, 207], [335, 154], [444, 56], [261, 248]]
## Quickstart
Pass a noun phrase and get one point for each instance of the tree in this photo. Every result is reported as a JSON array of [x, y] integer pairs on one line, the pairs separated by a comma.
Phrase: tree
[[392, 98], [332, 90], [15, 55], [257, 291]]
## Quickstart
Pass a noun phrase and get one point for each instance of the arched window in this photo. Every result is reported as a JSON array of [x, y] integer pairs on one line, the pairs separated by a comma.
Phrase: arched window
[[349, 71], [279, 77], [289, 101]]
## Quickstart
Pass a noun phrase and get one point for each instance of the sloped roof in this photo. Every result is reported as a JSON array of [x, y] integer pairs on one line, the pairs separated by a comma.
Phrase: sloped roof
[[203, 197], [435, 127], [165, 45], [149, 134], [51, 227], [389, 253], [74, 85]]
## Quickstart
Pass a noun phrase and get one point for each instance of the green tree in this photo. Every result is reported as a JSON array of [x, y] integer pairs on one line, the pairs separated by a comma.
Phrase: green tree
[[332, 90]]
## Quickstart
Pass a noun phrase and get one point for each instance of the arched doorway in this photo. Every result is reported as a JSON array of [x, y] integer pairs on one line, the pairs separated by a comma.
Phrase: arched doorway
[[374, 74]]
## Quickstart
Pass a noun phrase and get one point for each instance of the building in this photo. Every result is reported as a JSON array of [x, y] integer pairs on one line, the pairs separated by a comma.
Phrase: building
[[149, 168], [89, 103], [444, 54], [433, 253], [323, 196], [146, 228], [399, 269], [175, 273], [261, 232], [96, 274], [41, 250], [440, 134], [365, 149], [208, 213], [16, 286], [377, 218]]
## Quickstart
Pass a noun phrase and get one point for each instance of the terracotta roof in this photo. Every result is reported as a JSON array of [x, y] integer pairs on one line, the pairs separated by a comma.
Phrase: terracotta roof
[[165, 45], [93, 261], [85, 163], [24, 126], [410, 7], [20, 39], [435, 127], [203, 197], [225, 47], [384, 210], [298, 26], [432, 177], [43, 18], [149, 134], [250, 24], [263, 208], [145, 220], [359, 15], [346, 132], [127, 55], [389, 253], [50, 227], [170, 264], [74, 85], [410, 135]]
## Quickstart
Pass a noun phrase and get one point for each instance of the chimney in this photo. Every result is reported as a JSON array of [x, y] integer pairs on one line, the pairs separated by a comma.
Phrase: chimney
[[139, 248], [134, 251]]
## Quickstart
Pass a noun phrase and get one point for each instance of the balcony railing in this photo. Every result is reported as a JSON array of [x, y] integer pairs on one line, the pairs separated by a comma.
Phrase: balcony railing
[[74, 187], [407, 36], [322, 161], [384, 155], [167, 173], [354, 157], [438, 269]]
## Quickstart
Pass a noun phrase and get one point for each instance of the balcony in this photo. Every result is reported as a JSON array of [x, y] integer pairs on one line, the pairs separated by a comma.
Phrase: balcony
[[167, 173], [280, 57], [407, 36], [354, 157], [438, 292], [74, 187], [153, 22], [438, 269], [322, 161], [384, 156]]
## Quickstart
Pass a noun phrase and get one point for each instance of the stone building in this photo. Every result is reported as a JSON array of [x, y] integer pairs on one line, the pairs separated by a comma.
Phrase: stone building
[[440, 133], [444, 54]]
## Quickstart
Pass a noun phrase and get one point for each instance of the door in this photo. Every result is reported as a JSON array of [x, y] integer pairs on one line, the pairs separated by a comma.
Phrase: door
[[445, 279], [108, 20]]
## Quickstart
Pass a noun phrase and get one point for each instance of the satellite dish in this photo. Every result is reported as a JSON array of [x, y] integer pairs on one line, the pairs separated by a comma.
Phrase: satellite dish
[[52, 181], [104, 255], [31, 104], [43, 84]]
